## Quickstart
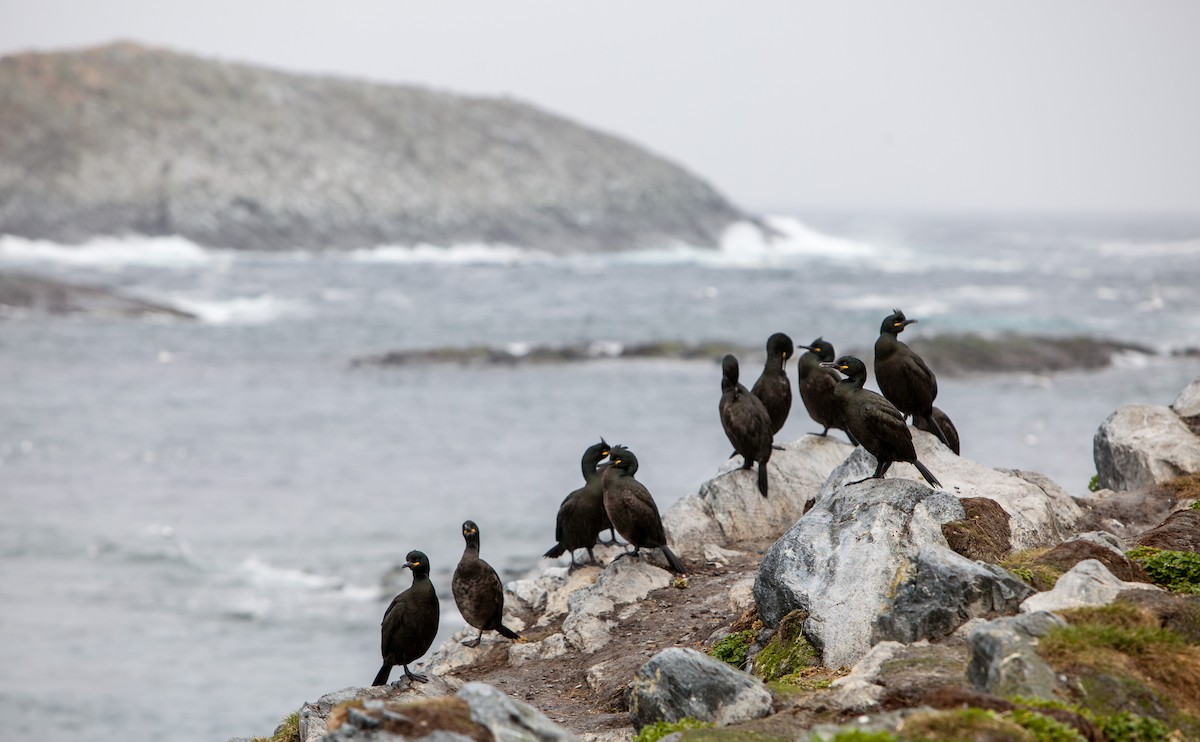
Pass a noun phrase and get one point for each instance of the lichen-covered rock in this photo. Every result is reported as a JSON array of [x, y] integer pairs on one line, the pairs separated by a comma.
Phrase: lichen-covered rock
[[477, 713], [728, 509], [679, 683], [1004, 660], [1179, 532], [868, 563], [314, 716], [1040, 512], [1088, 583], [1143, 445]]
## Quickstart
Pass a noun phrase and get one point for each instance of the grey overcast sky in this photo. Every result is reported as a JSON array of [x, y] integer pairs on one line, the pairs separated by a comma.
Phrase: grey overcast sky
[[939, 105]]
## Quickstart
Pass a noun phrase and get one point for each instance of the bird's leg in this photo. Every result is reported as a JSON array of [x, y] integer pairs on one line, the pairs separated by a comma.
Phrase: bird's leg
[[777, 448], [881, 469], [823, 433], [474, 642], [419, 677]]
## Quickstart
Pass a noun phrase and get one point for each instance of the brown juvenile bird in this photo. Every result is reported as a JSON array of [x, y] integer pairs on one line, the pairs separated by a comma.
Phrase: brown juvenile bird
[[746, 421], [817, 386], [477, 590], [581, 516], [773, 388], [410, 622], [903, 376], [631, 508], [874, 421]]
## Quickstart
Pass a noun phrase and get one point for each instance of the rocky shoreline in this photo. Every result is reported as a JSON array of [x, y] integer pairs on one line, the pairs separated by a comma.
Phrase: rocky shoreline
[[953, 355], [985, 610], [24, 294]]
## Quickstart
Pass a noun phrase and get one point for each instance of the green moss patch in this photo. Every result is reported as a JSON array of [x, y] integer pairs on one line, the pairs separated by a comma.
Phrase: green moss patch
[[1122, 660], [788, 651], [734, 648], [1178, 571], [659, 729], [1024, 564], [287, 731], [1119, 727]]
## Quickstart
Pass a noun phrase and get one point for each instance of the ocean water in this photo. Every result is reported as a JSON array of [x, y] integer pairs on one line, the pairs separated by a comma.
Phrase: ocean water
[[203, 519]]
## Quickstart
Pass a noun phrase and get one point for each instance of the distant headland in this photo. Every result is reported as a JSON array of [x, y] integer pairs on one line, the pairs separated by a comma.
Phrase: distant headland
[[125, 139]]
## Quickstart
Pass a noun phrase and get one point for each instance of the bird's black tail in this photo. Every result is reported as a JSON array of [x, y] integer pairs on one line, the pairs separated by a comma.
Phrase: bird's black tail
[[507, 633], [933, 481], [937, 430], [382, 677], [673, 560], [762, 478], [555, 551]]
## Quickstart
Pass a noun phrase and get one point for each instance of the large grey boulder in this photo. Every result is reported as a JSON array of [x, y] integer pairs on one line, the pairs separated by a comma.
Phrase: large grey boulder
[[1088, 583], [728, 509], [1040, 512], [1144, 445], [1004, 660], [678, 683], [869, 563]]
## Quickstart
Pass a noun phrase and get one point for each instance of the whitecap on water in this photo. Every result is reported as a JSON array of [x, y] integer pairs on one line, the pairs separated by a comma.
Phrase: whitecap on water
[[112, 252], [248, 310], [497, 254], [262, 574]]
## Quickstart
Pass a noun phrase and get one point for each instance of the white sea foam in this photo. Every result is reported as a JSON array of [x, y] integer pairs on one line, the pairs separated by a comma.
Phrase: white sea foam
[[1161, 248], [497, 254], [112, 252], [262, 574], [249, 310]]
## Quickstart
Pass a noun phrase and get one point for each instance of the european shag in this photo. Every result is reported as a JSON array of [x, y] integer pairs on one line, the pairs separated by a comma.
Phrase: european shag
[[874, 421], [817, 385], [773, 388], [632, 509], [902, 375], [410, 622], [746, 421], [581, 516], [477, 590], [944, 422]]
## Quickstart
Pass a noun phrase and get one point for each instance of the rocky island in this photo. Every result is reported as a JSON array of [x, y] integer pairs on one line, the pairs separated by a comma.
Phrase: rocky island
[[125, 139], [997, 608]]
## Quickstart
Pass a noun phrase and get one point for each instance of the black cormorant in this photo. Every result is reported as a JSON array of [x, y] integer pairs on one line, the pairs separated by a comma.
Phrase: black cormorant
[[902, 375], [477, 590], [874, 421], [581, 516], [817, 385], [945, 423], [632, 509], [410, 622], [746, 421], [773, 388]]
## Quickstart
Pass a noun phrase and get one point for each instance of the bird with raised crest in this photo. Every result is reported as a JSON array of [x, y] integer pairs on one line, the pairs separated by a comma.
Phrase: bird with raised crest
[[903, 376], [581, 516], [410, 622], [632, 509]]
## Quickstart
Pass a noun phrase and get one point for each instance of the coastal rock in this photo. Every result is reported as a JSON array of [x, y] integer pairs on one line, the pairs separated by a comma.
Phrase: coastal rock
[[869, 563], [23, 293], [983, 533], [1144, 445], [728, 509], [125, 139], [1004, 660], [678, 683], [478, 711], [1088, 583], [1126, 515], [1070, 553], [1187, 404], [314, 717], [1179, 532], [1040, 512]]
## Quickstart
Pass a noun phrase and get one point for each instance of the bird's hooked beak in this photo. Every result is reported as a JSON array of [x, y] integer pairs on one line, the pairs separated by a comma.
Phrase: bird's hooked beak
[[828, 364], [909, 322]]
